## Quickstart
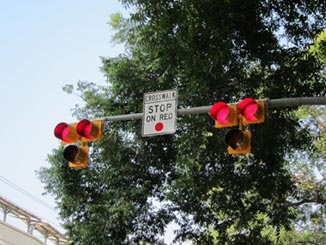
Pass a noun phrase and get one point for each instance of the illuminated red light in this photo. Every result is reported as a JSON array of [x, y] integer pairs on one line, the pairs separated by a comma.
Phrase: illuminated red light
[[61, 131], [220, 112], [249, 108], [84, 128]]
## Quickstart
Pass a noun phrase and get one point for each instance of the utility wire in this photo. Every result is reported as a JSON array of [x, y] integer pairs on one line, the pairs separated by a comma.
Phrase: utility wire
[[29, 195], [26, 193]]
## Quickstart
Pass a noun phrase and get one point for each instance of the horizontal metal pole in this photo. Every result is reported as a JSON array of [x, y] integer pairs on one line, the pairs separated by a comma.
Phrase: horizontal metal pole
[[272, 103], [291, 102], [194, 110], [124, 117]]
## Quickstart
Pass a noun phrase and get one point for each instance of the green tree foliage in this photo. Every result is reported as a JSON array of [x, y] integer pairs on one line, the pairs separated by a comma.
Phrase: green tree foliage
[[318, 49], [309, 170], [210, 51]]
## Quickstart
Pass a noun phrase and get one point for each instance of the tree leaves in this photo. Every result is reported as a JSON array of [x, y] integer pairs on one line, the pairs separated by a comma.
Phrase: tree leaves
[[209, 51]]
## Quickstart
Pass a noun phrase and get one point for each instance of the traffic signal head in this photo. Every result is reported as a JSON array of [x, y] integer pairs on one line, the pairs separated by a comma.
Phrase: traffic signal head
[[85, 130], [225, 115], [76, 156], [252, 111], [66, 133], [89, 130], [238, 141]]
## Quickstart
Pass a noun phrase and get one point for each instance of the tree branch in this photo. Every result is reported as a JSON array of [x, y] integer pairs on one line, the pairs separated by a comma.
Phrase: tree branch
[[299, 203]]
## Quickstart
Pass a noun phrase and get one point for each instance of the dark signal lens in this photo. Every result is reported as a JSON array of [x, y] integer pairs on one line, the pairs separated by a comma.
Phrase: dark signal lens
[[71, 153], [235, 139], [76, 155], [238, 141]]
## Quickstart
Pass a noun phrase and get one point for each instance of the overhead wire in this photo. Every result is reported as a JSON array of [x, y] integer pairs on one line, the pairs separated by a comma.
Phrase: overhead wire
[[26, 193], [31, 196]]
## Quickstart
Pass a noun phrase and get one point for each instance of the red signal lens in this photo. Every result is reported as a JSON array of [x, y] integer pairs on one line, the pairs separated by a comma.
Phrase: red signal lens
[[220, 112], [84, 129], [61, 131], [251, 111], [225, 115], [222, 115], [249, 108], [66, 133]]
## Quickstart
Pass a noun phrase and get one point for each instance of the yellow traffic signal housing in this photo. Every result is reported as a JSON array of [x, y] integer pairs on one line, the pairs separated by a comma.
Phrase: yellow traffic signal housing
[[66, 133], [77, 156], [83, 131], [238, 141], [90, 130], [225, 115], [249, 110], [252, 111]]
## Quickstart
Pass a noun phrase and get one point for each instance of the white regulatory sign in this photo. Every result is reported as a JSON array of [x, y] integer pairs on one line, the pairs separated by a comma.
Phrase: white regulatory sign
[[159, 113]]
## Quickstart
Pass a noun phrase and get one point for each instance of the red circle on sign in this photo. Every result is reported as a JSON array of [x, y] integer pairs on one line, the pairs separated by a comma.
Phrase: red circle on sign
[[159, 126]]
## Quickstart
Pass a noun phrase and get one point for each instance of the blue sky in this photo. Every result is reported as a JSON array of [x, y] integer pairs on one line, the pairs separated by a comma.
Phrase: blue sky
[[44, 46]]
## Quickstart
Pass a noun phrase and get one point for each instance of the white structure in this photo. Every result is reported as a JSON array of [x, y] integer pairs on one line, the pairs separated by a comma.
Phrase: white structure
[[12, 235], [159, 113]]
